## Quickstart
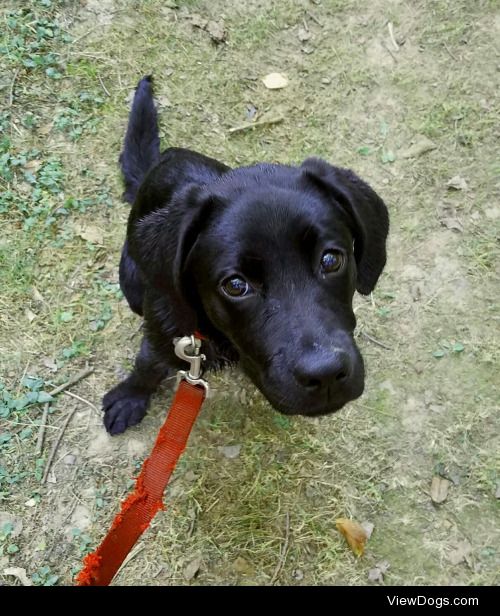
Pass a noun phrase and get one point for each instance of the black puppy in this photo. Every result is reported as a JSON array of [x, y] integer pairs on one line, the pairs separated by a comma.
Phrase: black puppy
[[262, 260]]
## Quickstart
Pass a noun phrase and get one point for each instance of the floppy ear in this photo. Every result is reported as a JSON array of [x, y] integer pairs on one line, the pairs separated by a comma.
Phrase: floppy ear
[[161, 241], [366, 211]]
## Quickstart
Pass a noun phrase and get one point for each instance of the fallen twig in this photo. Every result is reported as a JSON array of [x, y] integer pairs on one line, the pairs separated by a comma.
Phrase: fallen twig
[[284, 550], [11, 93], [79, 38], [375, 341], [314, 18], [391, 34], [136, 331], [56, 445], [449, 52], [103, 86], [389, 52], [192, 526], [92, 406], [41, 431], [248, 126], [78, 377]]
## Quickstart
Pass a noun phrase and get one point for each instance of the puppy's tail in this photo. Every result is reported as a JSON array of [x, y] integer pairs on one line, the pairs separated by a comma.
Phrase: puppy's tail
[[141, 149]]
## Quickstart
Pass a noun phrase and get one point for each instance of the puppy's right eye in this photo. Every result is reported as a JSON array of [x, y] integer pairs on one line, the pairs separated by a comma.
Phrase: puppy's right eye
[[235, 286]]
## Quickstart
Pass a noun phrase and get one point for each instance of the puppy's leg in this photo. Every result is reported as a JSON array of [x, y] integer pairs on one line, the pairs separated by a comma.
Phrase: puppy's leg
[[126, 404], [131, 282]]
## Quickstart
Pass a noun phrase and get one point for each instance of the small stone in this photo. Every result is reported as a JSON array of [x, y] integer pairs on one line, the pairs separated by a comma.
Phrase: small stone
[[69, 459], [304, 35], [457, 182], [192, 569], [230, 451], [460, 553], [275, 81], [377, 573]]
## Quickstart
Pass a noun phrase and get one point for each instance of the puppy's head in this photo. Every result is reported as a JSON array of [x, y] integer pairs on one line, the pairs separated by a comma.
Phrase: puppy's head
[[270, 257]]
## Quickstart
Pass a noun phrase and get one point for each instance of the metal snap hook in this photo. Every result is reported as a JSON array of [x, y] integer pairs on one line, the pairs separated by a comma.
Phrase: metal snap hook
[[188, 348]]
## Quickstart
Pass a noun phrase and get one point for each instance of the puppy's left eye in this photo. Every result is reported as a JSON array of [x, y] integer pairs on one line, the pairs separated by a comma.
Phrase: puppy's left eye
[[332, 261], [235, 286]]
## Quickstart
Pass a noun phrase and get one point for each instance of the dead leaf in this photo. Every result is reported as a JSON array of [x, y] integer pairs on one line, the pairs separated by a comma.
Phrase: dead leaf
[[20, 574], [49, 363], [217, 31], [230, 451], [421, 146], [461, 553], [275, 81], [33, 165], [29, 314], [304, 35], [439, 489], [457, 182], [377, 573], [497, 491], [37, 296], [45, 128], [354, 534], [198, 21], [242, 566], [91, 234], [191, 476], [191, 569], [368, 528], [452, 223]]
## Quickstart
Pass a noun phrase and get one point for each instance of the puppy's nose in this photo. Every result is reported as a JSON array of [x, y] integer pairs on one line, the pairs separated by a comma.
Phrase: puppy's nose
[[316, 372]]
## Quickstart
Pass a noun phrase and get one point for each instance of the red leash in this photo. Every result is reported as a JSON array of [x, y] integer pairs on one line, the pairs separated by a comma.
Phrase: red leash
[[141, 506]]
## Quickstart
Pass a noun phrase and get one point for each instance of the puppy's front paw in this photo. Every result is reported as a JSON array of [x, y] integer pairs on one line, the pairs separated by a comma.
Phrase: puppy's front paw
[[123, 407]]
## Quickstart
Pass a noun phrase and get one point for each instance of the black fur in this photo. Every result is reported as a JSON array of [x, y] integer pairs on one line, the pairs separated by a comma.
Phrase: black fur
[[195, 223]]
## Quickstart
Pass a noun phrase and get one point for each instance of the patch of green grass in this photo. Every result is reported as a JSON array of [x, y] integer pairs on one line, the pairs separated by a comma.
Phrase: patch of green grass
[[448, 117], [30, 36]]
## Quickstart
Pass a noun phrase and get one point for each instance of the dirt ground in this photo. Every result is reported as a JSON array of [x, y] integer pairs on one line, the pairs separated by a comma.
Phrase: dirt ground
[[403, 92]]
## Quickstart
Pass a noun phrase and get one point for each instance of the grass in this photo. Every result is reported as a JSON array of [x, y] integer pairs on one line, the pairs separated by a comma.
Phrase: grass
[[431, 401]]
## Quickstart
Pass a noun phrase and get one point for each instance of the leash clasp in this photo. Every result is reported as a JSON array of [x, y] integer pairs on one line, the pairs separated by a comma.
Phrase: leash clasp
[[188, 349]]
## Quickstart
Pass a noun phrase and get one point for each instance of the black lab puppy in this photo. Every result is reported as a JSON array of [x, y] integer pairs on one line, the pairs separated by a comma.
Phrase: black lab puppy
[[262, 260]]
